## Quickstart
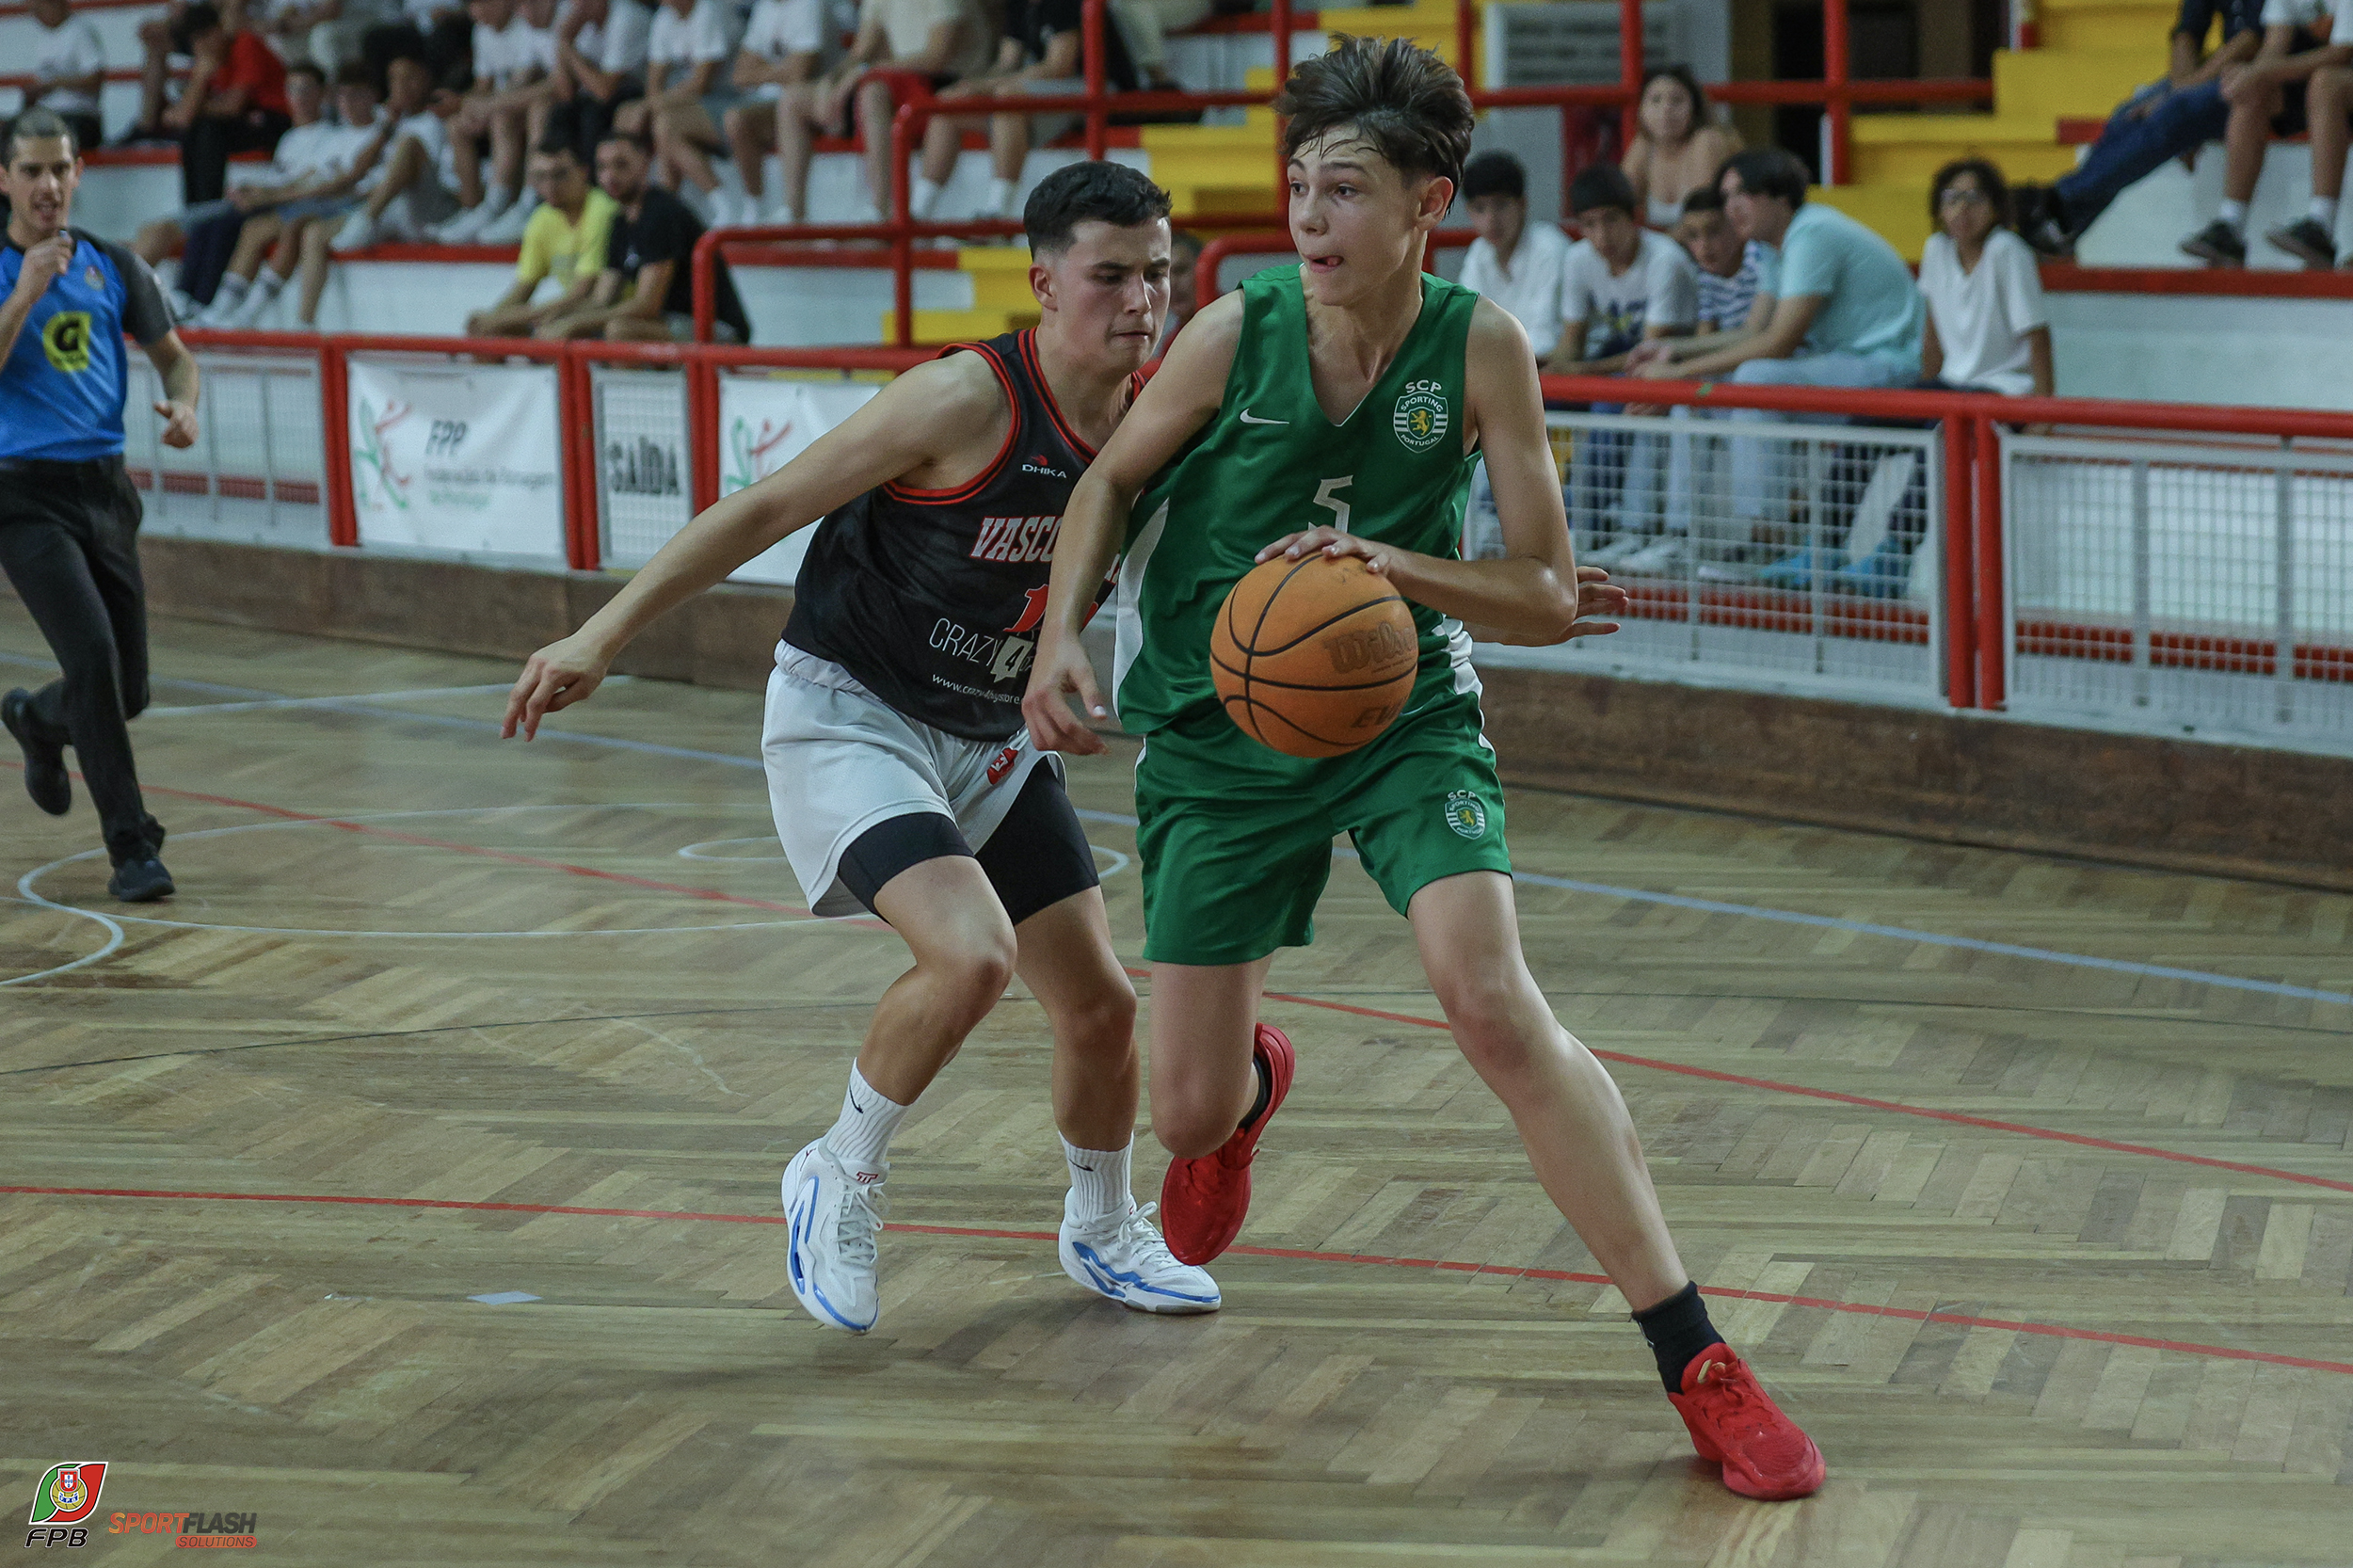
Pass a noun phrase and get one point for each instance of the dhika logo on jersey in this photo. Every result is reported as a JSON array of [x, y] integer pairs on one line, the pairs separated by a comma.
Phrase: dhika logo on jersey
[[1017, 541], [1040, 463], [1420, 418]]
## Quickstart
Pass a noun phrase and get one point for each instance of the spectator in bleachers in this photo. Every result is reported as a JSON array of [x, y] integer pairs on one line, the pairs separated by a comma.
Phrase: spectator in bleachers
[[646, 293], [204, 236], [235, 100], [1147, 24], [600, 65], [345, 152], [2267, 99], [1520, 266], [565, 241], [783, 47], [783, 43], [1732, 293], [438, 32], [507, 106], [68, 70], [2171, 118], [1039, 55], [686, 55], [1623, 285], [407, 187], [1987, 330], [942, 40], [328, 33], [2329, 108], [1677, 146], [1845, 314]]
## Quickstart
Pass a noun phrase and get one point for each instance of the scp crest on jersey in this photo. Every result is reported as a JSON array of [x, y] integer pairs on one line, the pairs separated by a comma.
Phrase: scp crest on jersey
[[1420, 416], [1466, 814]]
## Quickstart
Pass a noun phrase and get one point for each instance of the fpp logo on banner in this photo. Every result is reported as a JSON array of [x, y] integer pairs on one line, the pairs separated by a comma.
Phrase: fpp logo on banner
[[66, 1495]]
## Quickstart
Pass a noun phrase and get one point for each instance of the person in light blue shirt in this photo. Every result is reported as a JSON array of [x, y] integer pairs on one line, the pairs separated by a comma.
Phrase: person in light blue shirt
[[1845, 314]]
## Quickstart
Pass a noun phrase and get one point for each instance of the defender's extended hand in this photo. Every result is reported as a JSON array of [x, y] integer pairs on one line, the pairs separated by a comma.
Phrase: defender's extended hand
[[1063, 670], [554, 679], [1596, 596]]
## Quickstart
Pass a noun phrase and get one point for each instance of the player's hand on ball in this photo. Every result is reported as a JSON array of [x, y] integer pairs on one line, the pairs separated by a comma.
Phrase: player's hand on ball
[[1332, 543], [1063, 670], [554, 679]]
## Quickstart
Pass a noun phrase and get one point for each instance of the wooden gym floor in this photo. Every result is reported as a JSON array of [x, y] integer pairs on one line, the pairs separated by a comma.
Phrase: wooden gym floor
[[2050, 1252]]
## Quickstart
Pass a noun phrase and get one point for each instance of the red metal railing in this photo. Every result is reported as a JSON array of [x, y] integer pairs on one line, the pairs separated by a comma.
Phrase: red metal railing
[[1972, 582], [914, 108]]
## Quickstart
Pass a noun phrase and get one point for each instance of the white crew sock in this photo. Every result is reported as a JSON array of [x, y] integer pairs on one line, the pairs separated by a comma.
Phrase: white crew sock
[[1099, 1180], [922, 199], [1000, 194], [496, 200], [2233, 217], [258, 299], [862, 1138], [230, 293], [2324, 212]]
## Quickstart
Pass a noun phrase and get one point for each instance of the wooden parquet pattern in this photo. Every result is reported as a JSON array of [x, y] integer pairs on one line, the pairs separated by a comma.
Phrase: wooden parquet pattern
[[2017, 1351]]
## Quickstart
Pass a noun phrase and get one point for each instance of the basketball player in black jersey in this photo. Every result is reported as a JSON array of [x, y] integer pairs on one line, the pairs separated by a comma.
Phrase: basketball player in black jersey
[[902, 775]]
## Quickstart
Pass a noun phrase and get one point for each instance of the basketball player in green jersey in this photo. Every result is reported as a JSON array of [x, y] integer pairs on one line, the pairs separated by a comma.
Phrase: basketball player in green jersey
[[1355, 384]]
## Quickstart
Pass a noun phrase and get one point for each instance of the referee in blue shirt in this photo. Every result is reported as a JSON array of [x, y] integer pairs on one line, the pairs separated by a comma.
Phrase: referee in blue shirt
[[69, 518]]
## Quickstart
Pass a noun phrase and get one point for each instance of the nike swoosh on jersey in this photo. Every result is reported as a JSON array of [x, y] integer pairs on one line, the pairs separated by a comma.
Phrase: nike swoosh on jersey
[[1247, 420]]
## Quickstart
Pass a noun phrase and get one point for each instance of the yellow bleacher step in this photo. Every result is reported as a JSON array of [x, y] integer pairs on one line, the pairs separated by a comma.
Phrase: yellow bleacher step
[[2104, 23], [1898, 213], [1429, 25], [1909, 148], [962, 325], [2049, 84]]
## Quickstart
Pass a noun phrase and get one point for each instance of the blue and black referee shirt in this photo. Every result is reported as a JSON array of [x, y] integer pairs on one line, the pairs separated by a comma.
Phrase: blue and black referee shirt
[[62, 390]]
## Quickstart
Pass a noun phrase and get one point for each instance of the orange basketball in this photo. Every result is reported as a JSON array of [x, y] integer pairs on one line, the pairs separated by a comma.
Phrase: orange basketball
[[1314, 657]]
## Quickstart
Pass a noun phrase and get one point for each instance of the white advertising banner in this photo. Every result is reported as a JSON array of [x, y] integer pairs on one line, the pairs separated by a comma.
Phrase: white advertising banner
[[457, 457], [764, 424]]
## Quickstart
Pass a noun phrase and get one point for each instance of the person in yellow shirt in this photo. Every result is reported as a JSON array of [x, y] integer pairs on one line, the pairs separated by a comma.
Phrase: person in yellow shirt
[[564, 240]]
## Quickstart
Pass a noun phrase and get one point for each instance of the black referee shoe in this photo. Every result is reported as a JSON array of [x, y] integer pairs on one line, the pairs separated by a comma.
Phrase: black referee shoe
[[45, 779], [141, 881]]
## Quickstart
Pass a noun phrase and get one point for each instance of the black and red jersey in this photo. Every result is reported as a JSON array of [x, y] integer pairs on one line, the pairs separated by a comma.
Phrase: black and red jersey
[[932, 599]]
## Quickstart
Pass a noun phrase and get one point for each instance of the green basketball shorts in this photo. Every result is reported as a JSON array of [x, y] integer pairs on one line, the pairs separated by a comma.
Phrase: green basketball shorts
[[1236, 839]]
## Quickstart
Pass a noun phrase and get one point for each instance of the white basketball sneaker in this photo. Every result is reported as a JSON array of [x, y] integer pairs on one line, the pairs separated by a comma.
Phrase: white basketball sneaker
[[1122, 1257], [836, 1214]]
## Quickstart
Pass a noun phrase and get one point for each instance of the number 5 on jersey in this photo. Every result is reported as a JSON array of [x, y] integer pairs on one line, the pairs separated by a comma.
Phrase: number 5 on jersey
[[1327, 495]]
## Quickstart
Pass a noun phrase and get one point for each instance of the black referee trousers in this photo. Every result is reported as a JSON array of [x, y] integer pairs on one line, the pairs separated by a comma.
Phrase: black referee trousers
[[69, 541]]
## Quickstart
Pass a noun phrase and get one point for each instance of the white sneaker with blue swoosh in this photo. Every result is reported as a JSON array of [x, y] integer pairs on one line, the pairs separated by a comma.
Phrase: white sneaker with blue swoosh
[[1121, 1255], [835, 1213]]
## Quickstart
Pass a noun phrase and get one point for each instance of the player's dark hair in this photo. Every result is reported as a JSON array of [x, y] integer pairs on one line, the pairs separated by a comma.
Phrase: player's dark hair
[[1495, 174], [194, 23], [1681, 76], [554, 143], [1603, 186], [355, 73], [635, 138], [1403, 99], [1767, 172], [1989, 180], [1703, 198], [1089, 191], [309, 68], [40, 124]]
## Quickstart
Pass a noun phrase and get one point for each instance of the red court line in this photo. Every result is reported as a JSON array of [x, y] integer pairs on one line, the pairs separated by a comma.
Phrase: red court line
[[1959, 1118], [1769, 1085], [1917, 1315]]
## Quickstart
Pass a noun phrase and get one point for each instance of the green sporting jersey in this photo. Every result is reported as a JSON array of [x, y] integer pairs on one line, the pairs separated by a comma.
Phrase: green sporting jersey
[[1272, 463]]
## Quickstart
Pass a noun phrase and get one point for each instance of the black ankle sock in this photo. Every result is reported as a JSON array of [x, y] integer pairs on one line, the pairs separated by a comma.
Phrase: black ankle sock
[[1266, 1093], [1677, 1330]]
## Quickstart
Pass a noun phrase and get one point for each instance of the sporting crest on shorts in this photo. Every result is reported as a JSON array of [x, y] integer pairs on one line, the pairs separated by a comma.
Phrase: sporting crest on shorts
[[1420, 418], [1466, 814]]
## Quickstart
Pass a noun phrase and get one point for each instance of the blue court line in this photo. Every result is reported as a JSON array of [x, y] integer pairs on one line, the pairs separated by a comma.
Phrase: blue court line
[[1672, 901]]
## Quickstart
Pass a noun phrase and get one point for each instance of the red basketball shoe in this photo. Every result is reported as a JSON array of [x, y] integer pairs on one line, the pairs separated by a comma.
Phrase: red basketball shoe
[[1204, 1201], [1735, 1423]]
